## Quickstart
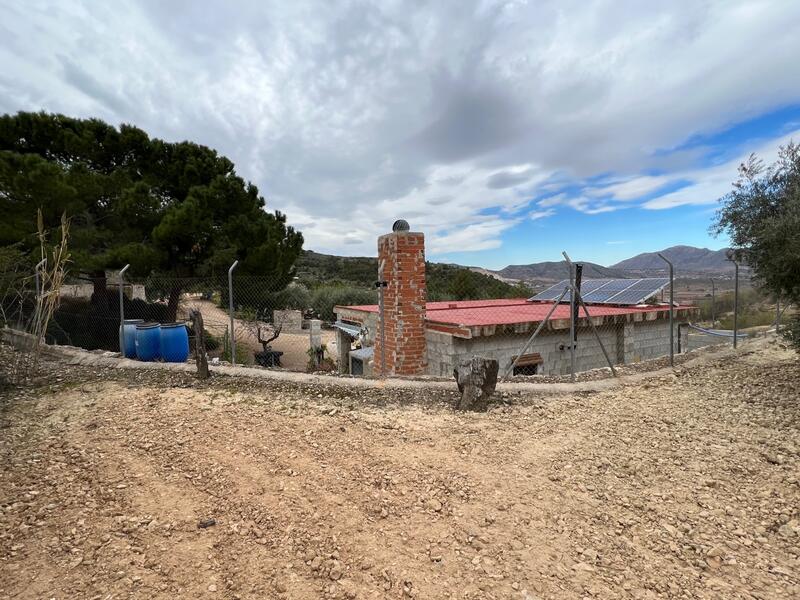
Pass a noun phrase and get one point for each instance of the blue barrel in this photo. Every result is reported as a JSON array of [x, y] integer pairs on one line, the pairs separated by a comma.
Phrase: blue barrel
[[129, 327], [174, 342], [148, 341]]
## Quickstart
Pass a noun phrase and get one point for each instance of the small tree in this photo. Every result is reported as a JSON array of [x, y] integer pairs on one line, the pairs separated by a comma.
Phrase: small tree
[[761, 215]]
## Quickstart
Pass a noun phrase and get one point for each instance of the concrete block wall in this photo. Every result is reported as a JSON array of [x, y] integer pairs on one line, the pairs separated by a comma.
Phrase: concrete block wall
[[651, 339], [626, 342], [442, 353], [445, 351]]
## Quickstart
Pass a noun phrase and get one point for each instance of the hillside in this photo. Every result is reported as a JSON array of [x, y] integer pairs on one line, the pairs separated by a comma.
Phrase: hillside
[[555, 271], [685, 258], [445, 281]]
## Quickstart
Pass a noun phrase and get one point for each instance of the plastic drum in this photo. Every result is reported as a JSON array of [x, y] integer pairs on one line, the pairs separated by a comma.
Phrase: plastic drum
[[148, 341], [129, 325], [174, 342]]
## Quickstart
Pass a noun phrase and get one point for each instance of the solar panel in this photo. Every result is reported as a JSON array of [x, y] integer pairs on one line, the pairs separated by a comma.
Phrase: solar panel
[[640, 291], [608, 291], [551, 293], [590, 285], [554, 291]]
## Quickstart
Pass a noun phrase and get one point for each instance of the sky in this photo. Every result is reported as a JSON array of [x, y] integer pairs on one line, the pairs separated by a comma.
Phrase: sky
[[505, 131]]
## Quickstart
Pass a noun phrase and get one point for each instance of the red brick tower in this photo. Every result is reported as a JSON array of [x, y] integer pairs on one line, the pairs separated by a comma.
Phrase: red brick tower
[[401, 258]]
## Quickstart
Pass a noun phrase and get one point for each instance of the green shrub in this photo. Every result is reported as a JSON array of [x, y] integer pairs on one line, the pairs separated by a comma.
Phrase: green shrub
[[325, 298], [749, 318], [295, 296]]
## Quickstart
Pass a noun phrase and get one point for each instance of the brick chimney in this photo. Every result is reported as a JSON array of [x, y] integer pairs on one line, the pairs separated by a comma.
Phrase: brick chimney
[[401, 261]]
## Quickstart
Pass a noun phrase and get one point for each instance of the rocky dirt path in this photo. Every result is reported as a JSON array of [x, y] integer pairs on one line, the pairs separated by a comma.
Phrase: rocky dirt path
[[684, 486]]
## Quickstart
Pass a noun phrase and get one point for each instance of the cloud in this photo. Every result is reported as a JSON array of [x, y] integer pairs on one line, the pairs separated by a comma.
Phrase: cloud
[[618, 242], [509, 178], [351, 115], [707, 186], [585, 204], [541, 214], [633, 187]]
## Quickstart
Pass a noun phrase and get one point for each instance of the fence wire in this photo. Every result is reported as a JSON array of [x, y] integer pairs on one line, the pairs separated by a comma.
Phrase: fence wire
[[300, 328]]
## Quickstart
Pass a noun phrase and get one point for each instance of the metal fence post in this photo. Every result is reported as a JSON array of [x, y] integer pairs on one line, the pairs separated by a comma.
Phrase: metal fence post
[[122, 310], [571, 319], [230, 310], [713, 303], [671, 311], [594, 331], [513, 364], [381, 284]]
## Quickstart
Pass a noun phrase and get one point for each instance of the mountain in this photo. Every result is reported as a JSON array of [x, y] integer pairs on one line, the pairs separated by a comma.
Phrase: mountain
[[555, 271], [446, 280], [686, 259]]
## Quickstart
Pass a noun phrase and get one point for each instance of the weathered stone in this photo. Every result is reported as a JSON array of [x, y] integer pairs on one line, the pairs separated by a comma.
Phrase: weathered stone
[[476, 379]]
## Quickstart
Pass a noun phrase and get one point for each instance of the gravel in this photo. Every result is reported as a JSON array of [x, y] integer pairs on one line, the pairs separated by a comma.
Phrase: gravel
[[682, 485]]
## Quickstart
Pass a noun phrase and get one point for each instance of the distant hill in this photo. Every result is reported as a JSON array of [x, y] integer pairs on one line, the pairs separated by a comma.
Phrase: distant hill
[[687, 259], [449, 281], [555, 271], [444, 281]]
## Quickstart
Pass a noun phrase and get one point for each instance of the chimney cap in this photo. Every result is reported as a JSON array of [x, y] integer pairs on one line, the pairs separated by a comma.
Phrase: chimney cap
[[401, 225]]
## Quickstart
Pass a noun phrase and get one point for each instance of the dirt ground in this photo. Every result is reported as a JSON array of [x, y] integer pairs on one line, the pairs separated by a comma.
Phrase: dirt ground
[[684, 486]]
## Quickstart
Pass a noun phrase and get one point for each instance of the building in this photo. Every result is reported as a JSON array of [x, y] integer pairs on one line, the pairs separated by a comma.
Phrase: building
[[430, 338]]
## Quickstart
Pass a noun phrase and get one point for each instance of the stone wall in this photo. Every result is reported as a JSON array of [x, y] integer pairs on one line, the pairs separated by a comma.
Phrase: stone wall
[[85, 290], [290, 320]]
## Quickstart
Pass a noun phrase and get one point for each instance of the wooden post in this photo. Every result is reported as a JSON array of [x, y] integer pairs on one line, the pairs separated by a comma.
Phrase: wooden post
[[315, 342], [199, 344]]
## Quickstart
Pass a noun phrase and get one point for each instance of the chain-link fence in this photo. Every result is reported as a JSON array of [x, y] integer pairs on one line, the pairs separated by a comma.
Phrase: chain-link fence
[[252, 320], [278, 326]]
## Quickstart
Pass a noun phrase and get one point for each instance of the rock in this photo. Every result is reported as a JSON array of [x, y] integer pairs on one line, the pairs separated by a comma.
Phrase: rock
[[476, 379], [434, 504], [786, 530], [775, 459], [212, 588]]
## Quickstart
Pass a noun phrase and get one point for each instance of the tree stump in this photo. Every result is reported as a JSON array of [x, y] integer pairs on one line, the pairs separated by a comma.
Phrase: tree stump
[[200, 358], [476, 379]]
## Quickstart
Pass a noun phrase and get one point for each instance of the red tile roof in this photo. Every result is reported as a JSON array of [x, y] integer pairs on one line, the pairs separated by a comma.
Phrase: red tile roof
[[478, 313]]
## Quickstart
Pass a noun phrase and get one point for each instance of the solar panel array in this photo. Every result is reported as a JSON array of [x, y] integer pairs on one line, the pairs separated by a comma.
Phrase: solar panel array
[[607, 291]]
